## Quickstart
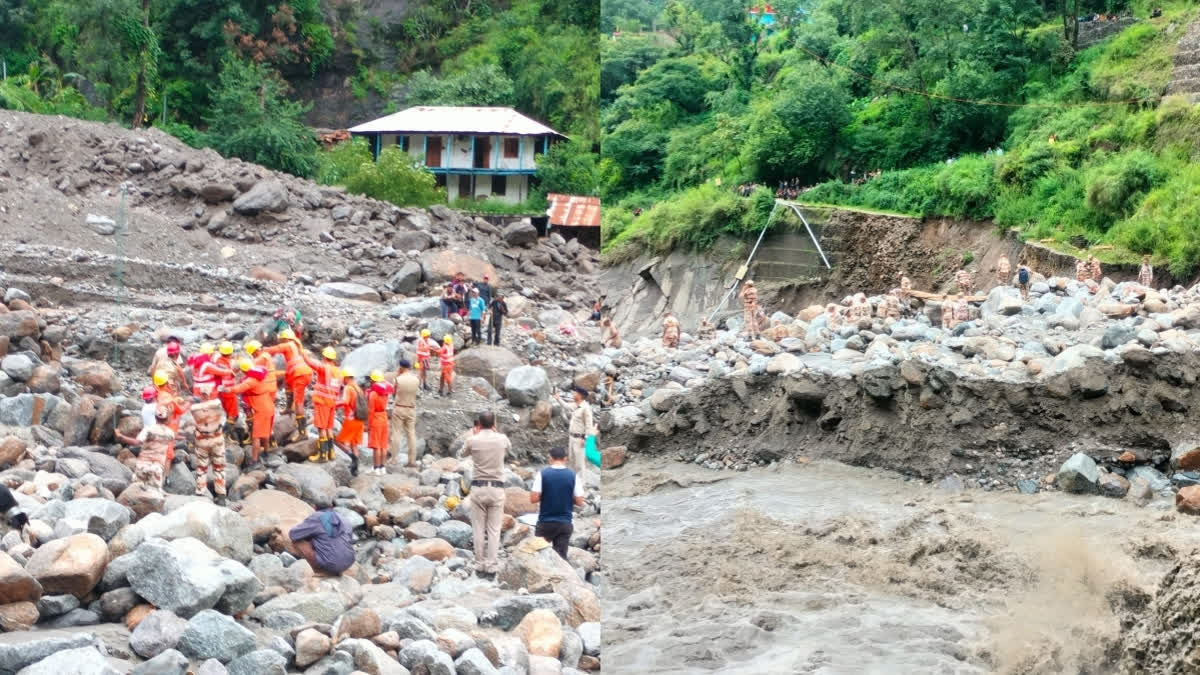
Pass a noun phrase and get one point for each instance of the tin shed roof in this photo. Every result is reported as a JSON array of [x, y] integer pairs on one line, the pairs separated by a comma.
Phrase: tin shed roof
[[574, 210], [456, 120]]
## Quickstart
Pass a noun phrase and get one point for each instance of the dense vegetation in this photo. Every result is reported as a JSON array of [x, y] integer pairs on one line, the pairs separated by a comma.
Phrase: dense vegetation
[[222, 73], [696, 93]]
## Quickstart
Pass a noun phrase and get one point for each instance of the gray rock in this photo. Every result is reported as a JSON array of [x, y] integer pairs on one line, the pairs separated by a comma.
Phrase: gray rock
[[1117, 335], [158, 632], [169, 662], [266, 195], [427, 308], [321, 607], [425, 654], [590, 634], [219, 528], [212, 667], [520, 234], [73, 618], [413, 240], [180, 480], [102, 517], [115, 604], [473, 662], [185, 576], [1155, 478], [258, 662], [18, 655], [507, 612], [17, 366], [337, 663], [348, 290], [1078, 474], [101, 224], [406, 279], [456, 532], [526, 385], [16, 294], [682, 375], [409, 627], [81, 661], [284, 620], [571, 650], [383, 356], [114, 475], [50, 606], [1027, 487], [315, 482], [212, 635]]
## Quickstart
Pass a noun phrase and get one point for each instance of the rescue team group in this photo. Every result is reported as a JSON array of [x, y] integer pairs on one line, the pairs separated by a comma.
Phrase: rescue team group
[[218, 384]]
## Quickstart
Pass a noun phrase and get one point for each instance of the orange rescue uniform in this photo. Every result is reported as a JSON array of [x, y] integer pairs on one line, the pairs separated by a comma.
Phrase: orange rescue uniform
[[298, 374], [228, 399], [377, 420], [262, 404], [447, 362], [351, 432], [325, 392]]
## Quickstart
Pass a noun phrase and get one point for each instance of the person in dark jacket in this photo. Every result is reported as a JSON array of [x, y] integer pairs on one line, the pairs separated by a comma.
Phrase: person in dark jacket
[[556, 490], [323, 539], [497, 310]]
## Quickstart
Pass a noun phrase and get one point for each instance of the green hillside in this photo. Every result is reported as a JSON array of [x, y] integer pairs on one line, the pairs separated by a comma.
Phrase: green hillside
[[1085, 149]]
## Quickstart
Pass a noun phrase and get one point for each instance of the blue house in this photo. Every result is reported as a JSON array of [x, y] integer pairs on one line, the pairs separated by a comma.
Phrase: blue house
[[474, 152]]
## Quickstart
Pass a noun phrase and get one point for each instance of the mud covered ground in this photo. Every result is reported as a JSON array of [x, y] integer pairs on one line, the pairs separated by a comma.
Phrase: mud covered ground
[[823, 568]]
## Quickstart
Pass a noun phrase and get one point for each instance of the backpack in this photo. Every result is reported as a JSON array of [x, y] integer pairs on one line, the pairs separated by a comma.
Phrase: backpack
[[360, 405], [1023, 275]]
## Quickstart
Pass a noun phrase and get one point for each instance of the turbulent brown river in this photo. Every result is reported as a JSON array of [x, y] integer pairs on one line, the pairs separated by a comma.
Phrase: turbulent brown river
[[825, 568]]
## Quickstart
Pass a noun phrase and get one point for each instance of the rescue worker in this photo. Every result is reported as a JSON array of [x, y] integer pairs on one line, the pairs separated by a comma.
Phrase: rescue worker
[[670, 336], [1146, 273], [377, 420], [447, 362], [297, 374], [156, 441], [905, 287], [582, 424], [1003, 272], [1024, 275], [175, 406], [964, 281], [325, 396], [609, 334], [404, 412], [426, 348], [948, 312], [750, 308], [261, 359], [286, 318], [169, 359], [350, 436], [210, 447], [487, 449], [1094, 269], [890, 308], [229, 404], [1081, 270], [262, 405], [705, 331], [244, 366], [962, 311], [208, 374], [861, 309], [833, 318]]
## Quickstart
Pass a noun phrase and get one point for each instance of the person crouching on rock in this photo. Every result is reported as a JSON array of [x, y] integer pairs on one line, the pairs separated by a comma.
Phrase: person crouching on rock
[[323, 539]]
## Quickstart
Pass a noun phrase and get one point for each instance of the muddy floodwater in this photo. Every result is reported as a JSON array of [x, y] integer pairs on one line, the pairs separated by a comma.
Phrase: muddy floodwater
[[825, 568]]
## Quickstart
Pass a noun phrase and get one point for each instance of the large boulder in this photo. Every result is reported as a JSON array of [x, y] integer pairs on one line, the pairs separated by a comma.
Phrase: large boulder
[[19, 654], [17, 366], [315, 482], [212, 635], [71, 565], [81, 661], [383, 356], [185, 577], [535, 566], [266, 195], [508, 612], [271, 513], [114, 475], [156, 633], [348, 290], [426, 308], [101, 517], [520, 234], [406, 279], [440, 265], [1185, 455], [217, 527], [526, 385], [542, 633], [319, 607], [19, 324], [489, 362], [1079, 474], [412, 240], [424, 656]]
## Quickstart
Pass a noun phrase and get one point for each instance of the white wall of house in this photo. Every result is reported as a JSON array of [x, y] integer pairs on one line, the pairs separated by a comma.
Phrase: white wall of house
[[461, 157], [516, 188]]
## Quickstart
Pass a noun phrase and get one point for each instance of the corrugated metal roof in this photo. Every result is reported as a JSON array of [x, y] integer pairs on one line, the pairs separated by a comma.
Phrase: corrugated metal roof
[[456, 120], [574, 211]]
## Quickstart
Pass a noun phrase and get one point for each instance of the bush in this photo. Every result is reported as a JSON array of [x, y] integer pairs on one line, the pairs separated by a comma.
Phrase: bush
[[1115, 188], [337, 164], [185, 133], [397, 179]]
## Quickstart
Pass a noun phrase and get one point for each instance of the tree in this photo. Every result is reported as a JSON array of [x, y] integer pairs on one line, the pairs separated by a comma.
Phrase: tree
[[573, 168], [792, 133], [397, 179], [486, 85], [251, 118]]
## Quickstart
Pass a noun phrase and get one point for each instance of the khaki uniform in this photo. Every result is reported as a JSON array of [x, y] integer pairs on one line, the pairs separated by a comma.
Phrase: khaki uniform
[[487, 450], [670, 336], [750, 309], [833, 318], [1146, 276], [1003, 272], [1096, 273], [964, 281], [151, 464], [905, 287], [581, 425], [404, 415], [890, 309], [210, 446], [1081, 270], [962, 311], [610, 336], [706, 330], [947, 315], [175, 368]]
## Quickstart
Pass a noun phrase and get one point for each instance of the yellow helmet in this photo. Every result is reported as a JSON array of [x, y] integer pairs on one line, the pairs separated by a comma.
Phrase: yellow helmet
[[425, 333], [287, 334], [451, 503], [376, 376], [245, 366], [160, 378], [225, 348], [329, 353], [252, 346], [448, 339], [207, 348], [347, 372]]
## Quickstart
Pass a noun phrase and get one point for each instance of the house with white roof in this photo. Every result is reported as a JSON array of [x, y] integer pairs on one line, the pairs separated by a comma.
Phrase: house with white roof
[[474, 152]]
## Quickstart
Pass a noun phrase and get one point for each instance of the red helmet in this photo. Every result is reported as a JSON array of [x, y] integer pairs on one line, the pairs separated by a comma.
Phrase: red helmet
[[382, 388], [258, 372], [149, 394], [172, 348]]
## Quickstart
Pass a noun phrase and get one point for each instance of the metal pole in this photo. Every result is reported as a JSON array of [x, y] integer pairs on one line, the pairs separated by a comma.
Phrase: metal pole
[[811, 235]]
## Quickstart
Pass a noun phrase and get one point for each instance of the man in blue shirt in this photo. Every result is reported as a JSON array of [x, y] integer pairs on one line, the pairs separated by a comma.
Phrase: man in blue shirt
[[556, 490], [475, 309], [323, 539]]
